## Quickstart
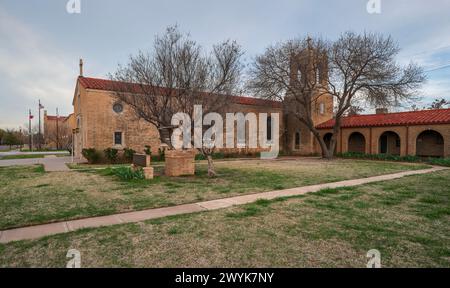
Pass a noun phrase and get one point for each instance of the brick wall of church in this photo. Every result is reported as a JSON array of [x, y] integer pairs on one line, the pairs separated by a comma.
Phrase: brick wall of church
[[98, 122]]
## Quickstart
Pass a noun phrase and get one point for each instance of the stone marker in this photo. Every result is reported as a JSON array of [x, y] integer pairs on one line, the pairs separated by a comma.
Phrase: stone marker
[[143, 161]]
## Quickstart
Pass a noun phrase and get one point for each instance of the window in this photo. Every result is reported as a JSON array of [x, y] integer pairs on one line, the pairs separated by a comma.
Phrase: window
[[269, 128], [322, 108], [297, 141], [118, 108], [117, 138]]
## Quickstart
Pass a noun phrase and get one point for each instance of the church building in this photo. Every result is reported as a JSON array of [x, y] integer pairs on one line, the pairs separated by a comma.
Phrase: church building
[[101, 121]]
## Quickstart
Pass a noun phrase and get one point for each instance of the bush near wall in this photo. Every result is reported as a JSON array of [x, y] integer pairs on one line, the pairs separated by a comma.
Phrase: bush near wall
[[440, 161], [91, 155], [386, 157], [111, 154], [128, 155]]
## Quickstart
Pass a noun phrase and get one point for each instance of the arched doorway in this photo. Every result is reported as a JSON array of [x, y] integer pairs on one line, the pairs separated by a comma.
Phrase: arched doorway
[[430, 143], [327, 139], [357, 143], [389, 143]]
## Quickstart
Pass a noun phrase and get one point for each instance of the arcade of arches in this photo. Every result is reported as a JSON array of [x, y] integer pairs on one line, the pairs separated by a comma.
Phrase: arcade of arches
[[420, 141]]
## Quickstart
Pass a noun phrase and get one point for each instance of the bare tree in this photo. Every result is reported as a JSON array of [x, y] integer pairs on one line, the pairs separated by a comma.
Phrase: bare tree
[[352, 68], [439, 104], [60, 134], [176, 75]]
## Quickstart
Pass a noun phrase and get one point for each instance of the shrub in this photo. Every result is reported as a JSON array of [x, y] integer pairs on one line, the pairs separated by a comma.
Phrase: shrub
[[217, 155], [128, 154], [148, 150], [162, 154], [91, 155], [127, 173], [111, 154], [440, 161], [385, 157], [200, 157]]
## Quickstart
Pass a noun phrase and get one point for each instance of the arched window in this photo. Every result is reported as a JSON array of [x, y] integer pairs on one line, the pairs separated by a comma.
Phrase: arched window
[[389, 143], [430, 143], [297, 140], [269, 128], [322, 108], [327, 139], [357, 143]]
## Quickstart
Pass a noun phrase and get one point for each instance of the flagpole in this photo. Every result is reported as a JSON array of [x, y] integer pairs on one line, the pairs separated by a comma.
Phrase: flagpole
[[29, 131], [39, 137]]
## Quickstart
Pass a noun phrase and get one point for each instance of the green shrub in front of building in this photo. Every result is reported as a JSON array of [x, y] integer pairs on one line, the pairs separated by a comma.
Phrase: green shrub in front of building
[[111, 154], [387, 157], [91, 155]]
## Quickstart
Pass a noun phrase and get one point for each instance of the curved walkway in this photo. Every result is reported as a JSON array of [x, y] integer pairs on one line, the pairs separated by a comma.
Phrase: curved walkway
[[34, 232]]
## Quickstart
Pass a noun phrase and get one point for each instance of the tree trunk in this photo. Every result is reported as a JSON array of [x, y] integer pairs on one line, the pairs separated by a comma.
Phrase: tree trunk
[[326, 154], [211, 169]]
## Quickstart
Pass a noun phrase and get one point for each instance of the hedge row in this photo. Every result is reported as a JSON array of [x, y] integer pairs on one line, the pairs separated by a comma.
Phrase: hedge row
[[386, 157]]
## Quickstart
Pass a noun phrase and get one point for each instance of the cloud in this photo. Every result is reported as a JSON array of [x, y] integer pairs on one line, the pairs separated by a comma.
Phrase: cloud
[[31, 68]]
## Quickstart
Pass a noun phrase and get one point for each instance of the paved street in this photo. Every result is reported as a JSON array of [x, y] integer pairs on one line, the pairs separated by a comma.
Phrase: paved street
[[51, 164]]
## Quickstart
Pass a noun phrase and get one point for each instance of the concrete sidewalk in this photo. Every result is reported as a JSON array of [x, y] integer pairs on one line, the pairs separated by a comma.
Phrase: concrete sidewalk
[[38, 231], [51, 164]]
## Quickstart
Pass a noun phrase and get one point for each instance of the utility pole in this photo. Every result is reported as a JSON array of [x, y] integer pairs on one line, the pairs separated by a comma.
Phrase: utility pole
[[57, 129]]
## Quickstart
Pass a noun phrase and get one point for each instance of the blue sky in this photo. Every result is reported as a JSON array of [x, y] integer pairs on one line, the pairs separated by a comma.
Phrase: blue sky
[[40, 43]]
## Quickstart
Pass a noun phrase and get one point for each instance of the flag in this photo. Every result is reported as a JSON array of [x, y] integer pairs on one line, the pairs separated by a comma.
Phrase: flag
[[31, 117], [41, 106]]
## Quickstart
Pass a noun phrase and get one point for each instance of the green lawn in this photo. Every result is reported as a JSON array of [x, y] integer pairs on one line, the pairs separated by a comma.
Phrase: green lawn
[[407, 220], [29, 196]]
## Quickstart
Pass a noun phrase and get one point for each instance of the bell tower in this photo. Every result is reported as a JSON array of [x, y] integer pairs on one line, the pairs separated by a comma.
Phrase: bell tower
[[307, 96], [309, 81]]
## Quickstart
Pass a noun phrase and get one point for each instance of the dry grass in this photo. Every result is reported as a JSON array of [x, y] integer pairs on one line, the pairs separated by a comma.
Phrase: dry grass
[[30, 197], [407, 219]]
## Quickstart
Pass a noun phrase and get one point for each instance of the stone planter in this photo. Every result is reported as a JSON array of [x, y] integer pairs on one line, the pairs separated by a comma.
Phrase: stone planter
[[179, 162]]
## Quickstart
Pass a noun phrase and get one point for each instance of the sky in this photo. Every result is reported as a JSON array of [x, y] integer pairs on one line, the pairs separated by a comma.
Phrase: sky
[[41, 43]]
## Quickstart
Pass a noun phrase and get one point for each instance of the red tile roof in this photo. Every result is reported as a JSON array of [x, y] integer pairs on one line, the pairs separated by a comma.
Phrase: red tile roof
[[109, 85], [423, 117]]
